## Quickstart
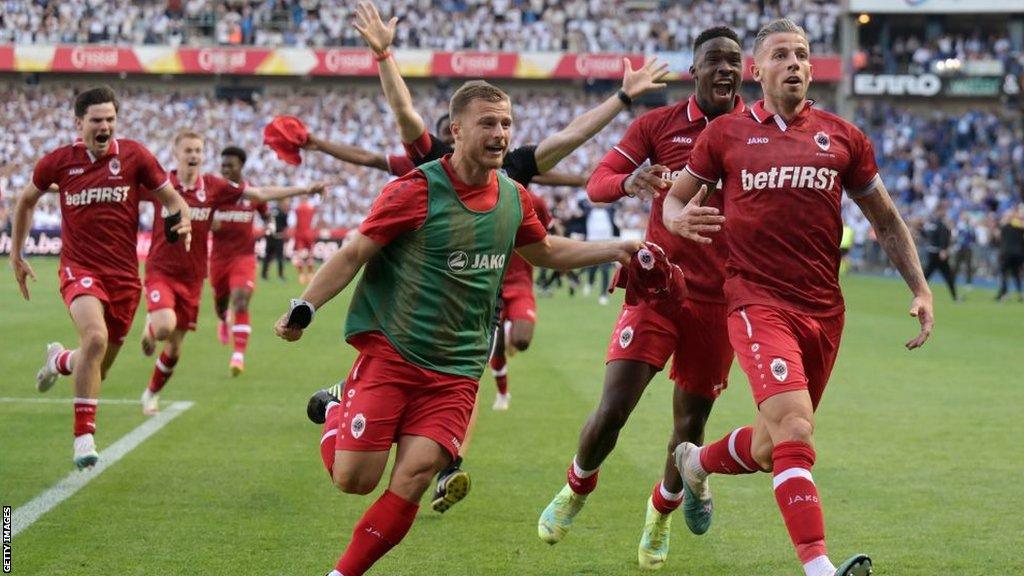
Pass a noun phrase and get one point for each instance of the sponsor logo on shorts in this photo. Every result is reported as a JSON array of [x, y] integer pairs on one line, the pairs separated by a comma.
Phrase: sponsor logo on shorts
[[779, 369], [358, 425], [755, 347], [154, 296], [626, 337], [456, 443], [115, 166], [351, 392], [86, 282]]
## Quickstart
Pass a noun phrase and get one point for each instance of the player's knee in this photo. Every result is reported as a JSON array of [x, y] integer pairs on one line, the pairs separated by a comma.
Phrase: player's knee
[[351, 482], [162, 332], [240, 303], [690, 427], [94, 341], [612, 416], [521, 343], [794, 427]]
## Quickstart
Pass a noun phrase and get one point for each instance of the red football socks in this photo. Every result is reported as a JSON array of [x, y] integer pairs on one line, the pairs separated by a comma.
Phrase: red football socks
[[664, 501], [798, 500], [580, 481], [381, 528], [63, 363], [162, 372], [327, 440], [499, 367], [240, 331], [730, 455], [85, 415]]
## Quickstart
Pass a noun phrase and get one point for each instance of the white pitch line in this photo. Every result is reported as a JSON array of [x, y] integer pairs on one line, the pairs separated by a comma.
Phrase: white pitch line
[[27, 514], [29, 400]]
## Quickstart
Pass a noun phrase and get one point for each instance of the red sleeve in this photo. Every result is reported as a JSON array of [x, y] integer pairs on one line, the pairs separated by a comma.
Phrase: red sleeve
[[634, 144], [45, 172], [418, 149], [401, 207], [530, 230], [863, 169], [226, 192], [605, 184], [705, 159], [399, 165], [540, 206], [150, 174]]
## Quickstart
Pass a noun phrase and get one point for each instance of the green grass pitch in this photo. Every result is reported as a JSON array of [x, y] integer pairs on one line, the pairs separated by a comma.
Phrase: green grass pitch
[[920, 459]]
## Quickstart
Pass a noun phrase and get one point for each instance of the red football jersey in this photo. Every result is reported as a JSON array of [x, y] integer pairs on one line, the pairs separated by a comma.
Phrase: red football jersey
[[782, 185], [210, 193], [235, 237], [519, 271], [666, 136], [304, 214], [99, 203]]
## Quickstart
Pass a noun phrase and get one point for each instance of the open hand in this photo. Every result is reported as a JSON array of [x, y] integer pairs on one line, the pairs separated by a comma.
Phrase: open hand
[[22, 272], [921, 308], [375, 32], [647, 78], [694, 219]]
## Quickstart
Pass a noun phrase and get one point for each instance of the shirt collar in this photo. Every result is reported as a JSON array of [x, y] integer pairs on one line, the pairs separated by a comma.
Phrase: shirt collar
[[200, 182], [694, 113], [112, 150], [764, 116]]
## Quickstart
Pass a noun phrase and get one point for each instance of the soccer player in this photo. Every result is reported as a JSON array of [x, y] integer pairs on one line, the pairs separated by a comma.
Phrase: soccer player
[[644, 338], [435, 247], [174, 277], [522, 164], [783, 166], [302, 241], [233, 261], [100, 180]]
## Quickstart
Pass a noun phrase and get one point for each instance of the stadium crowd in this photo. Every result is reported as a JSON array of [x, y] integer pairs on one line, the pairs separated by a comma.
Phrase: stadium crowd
[[514, 25], [914, 54], [968, 166]]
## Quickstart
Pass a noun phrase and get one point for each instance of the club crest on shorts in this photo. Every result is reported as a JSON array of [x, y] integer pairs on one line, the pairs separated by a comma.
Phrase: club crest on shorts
[[626, 337], [457, 261], [86, 282], [646, 258], [779, 369], [154, 296], [823, 141], [115, 166], [358, 425]]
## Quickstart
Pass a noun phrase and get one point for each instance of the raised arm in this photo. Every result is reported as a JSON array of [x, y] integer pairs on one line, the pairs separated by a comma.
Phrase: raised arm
[[22, 221], [348, 153], [634, 83], [333, 277], [561, 253], [554, 178], [268, 193], [895, 238], [378, 37]]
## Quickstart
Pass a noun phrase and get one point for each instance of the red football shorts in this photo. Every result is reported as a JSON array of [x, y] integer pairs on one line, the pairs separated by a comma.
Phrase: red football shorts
[[120, 297], [519, 302], [782, 351], [386, 399], [303, 241], [182, 297], [697, 339], [232, 274]]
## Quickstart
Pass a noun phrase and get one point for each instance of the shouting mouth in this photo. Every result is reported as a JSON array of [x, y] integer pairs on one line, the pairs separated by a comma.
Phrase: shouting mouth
[[724, 89]]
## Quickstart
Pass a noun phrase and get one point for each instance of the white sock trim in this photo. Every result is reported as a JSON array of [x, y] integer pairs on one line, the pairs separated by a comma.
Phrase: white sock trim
[[243, 328], [163, 367], [502, 372], [335, 573], [89, 401], [329, 434], [790, 474], [671, 497], [732, 449], [820, 566], [580, 472]]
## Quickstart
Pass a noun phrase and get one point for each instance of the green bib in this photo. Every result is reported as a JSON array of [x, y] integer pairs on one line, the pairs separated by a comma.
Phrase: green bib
[[432, 291]]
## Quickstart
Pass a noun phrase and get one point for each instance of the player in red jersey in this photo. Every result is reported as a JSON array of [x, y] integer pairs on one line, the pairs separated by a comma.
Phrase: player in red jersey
[[783, 167], [649, 157], [454, 222], [233, 261], [174, 278], [101, 180], [302, 241]]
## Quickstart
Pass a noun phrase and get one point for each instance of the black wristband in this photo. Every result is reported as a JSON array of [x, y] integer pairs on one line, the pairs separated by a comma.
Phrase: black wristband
[[301, 314], [170, 221], [624, 97]]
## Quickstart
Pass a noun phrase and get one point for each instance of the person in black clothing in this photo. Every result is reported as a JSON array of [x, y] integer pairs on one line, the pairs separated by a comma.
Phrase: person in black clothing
[[963, 256], [277, 226], [937, 240], [1011, 252]]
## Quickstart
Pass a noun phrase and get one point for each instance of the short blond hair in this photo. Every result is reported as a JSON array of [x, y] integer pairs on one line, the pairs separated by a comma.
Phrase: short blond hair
[[188, 135], [778, 26], [475, 90]]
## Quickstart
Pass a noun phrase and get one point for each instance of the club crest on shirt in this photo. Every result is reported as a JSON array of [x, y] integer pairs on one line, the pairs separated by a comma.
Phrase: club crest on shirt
[[823, 141], [115, 166], [626, 337], [201, 195], [779, 369], [358, 425]]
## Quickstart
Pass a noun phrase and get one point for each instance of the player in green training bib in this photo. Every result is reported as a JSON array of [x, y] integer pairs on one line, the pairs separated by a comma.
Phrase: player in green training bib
[[433, 250]]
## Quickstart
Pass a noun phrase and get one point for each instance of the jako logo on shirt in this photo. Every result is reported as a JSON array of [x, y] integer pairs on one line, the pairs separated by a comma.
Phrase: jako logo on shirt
[[757, 140], [790, 177], [97, 195], [459, 261], [682, 140]]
